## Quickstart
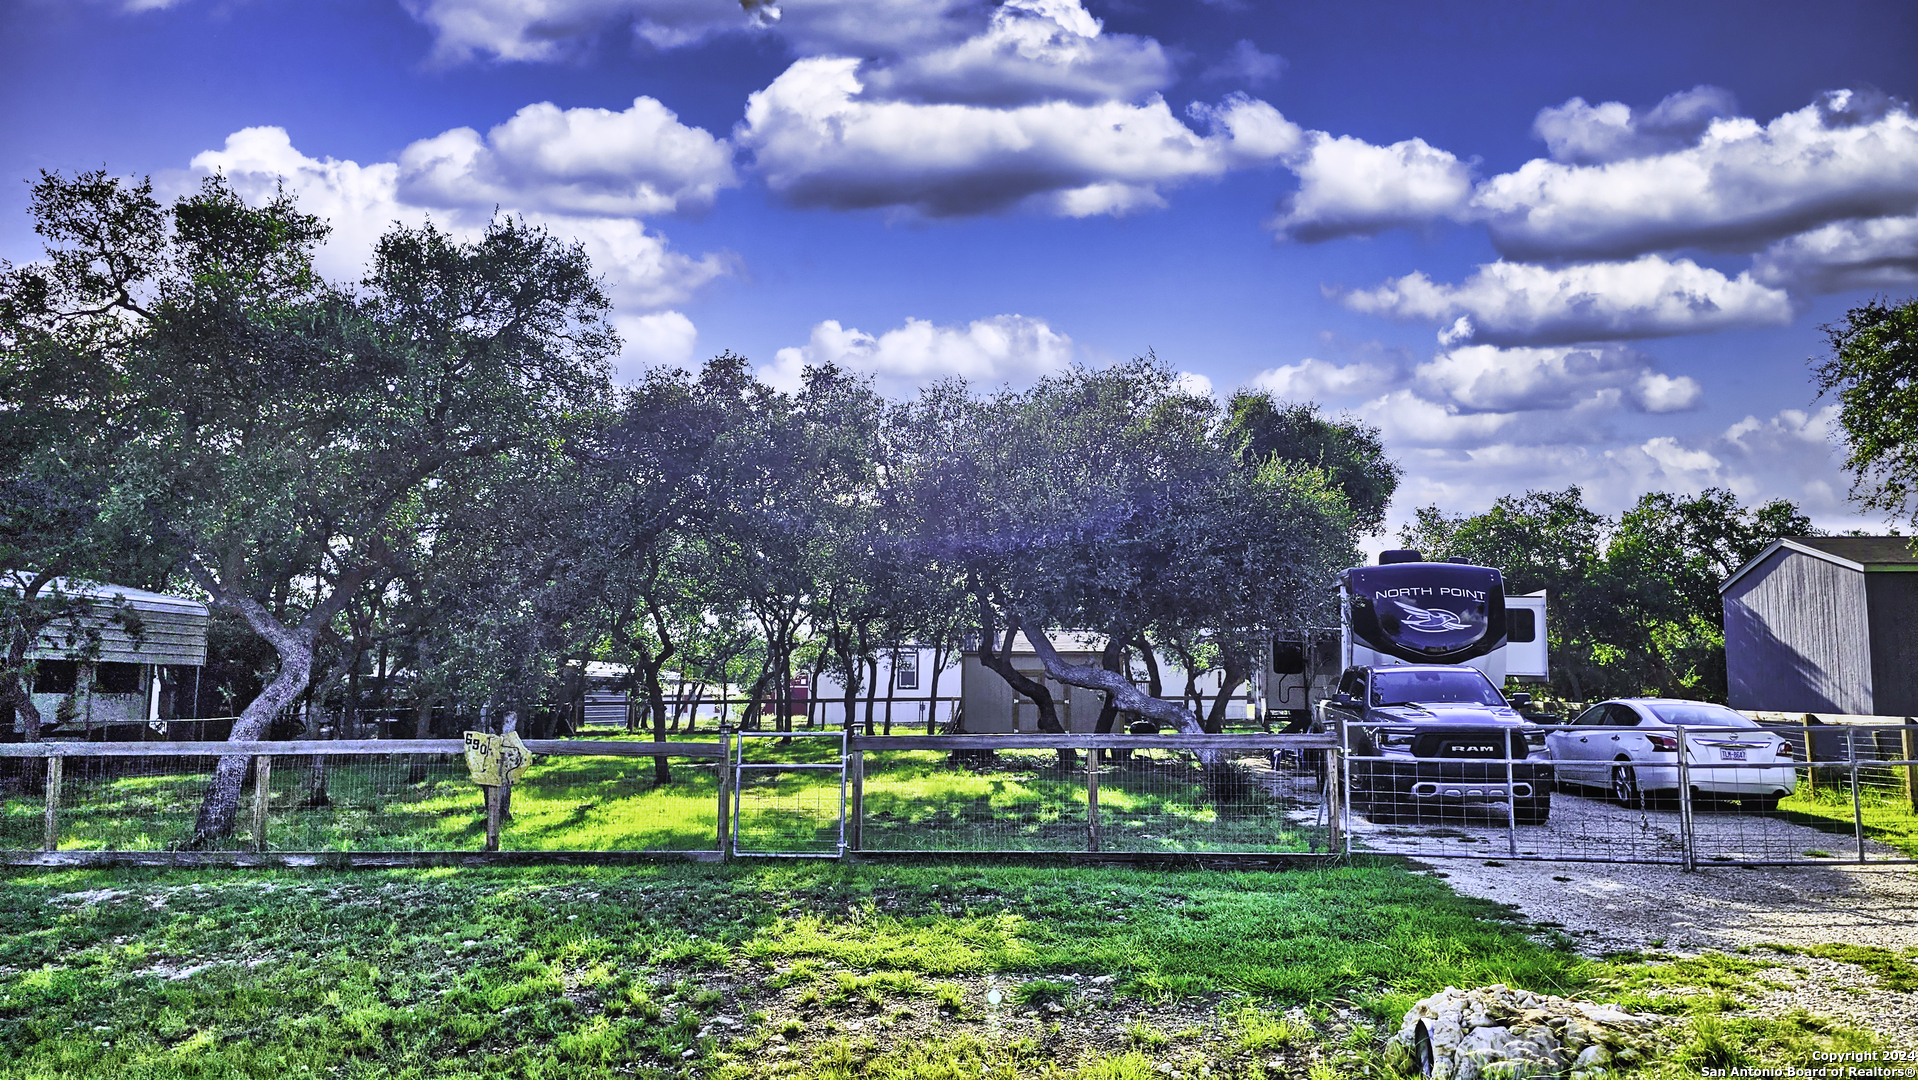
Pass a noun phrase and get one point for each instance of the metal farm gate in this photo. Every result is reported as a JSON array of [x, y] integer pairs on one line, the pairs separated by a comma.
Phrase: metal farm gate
[[1850, 794], [789, 793]]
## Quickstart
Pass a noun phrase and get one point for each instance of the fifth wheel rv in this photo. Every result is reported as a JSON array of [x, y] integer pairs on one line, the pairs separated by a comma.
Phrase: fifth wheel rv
[[1408, 611]]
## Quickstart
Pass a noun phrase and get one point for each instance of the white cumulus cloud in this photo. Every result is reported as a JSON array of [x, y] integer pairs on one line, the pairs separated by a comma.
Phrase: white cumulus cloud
[[1313, 379], [637, 162], [1736, 187], [1878, 253], [1490, 379], [361, 202], [819, 142], [1030, 50], [1013, 349], [1508, 303], [1585, 134], [1350, 187], [663, 338]]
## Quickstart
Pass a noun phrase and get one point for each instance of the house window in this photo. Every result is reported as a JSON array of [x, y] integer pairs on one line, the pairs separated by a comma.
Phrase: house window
[[54, 676], [906, 670], [116, 679]]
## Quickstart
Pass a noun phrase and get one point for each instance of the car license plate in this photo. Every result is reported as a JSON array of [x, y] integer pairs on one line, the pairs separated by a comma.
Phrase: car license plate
[[1731, 755]]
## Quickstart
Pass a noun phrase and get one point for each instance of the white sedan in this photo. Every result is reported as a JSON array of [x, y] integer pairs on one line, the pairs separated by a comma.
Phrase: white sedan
[[1630, 745]]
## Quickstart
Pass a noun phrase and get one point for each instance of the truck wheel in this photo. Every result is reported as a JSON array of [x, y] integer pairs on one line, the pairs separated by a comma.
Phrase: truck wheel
[[1381, 807], [1532, 811]]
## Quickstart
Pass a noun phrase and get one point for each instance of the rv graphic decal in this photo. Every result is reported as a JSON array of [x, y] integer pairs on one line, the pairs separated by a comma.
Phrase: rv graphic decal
[[1430, 620]]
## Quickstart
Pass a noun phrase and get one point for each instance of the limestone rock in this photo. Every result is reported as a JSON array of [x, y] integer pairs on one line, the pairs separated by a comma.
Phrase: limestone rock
[[1498, 1033]]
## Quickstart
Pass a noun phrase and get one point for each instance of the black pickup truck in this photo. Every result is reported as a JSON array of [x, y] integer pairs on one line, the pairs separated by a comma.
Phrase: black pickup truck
[[1425, 739]]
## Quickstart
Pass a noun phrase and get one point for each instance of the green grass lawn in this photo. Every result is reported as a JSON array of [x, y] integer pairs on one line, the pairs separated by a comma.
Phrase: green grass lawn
[[1881, 803], [806, 970], [585, 974]]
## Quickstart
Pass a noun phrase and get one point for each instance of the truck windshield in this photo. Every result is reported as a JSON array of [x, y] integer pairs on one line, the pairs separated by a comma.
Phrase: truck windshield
[[1465, 686]]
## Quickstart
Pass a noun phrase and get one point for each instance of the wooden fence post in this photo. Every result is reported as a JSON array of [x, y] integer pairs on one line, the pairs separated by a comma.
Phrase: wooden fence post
[[262, 792], [54, 765], [1811, 770], [492, 816], [1092, 799], [1910, 752]]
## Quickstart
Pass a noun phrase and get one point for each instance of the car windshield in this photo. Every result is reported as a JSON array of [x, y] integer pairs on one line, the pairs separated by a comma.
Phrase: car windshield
[[1699, 714], [1465, 685]]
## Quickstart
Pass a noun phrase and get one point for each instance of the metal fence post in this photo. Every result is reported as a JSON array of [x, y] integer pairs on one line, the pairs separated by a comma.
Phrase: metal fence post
[[54, 766], [1092, 799], [1511, 803], [1334, 797], [1686, 833], [725, 767], [262, 792], [856, 811], [1857, 809]]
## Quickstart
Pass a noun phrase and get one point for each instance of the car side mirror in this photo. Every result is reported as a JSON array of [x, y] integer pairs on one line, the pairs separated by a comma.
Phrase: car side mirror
[[1521, 699]]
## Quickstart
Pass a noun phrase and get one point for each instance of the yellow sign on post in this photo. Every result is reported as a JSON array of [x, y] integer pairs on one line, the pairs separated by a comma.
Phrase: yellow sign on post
[[496, 759]]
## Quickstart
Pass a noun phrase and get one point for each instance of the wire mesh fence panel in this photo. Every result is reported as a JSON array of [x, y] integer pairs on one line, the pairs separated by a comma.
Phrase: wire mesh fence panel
[[973, 800], [790, 793], [1164, 799], [1536, 806], [23, 803], [789, 810], [1748, 794], [1886, 801], [567, 803], [139, 804], [373, 802]]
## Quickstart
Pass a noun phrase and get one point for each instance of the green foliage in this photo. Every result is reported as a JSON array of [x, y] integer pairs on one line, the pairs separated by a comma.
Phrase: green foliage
[[1873, 370], [1633, 603], [1351, 454]]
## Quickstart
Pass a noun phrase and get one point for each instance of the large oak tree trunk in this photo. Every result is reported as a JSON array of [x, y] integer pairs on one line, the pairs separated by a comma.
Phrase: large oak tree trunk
[[998, 659], [1128, 696], [294, 646], [1110, 658], [222, 801]]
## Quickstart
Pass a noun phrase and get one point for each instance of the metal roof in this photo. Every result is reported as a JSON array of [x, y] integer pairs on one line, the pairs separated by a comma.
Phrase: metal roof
[[174, 630], [1865, 554]]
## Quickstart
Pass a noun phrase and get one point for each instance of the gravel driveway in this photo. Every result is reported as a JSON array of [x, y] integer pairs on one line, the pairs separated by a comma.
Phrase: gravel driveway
[[1617, 906]]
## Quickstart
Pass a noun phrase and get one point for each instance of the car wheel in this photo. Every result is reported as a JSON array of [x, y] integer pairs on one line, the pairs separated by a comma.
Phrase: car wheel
[[1625, 785], [1761, 803], [1532, 811]]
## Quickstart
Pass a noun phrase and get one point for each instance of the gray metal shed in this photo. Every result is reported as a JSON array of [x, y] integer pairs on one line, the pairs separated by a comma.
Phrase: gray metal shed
[[1824, 624]]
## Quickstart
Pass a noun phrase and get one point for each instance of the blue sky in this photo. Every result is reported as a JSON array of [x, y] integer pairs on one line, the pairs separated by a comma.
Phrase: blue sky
[[1537, 244]]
